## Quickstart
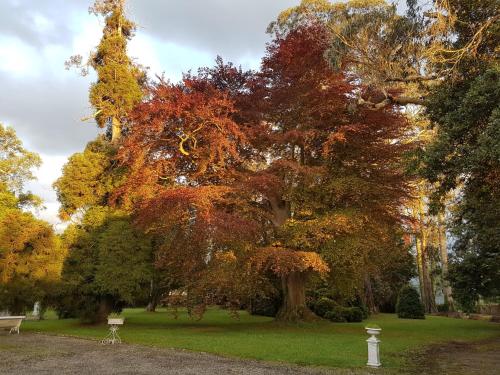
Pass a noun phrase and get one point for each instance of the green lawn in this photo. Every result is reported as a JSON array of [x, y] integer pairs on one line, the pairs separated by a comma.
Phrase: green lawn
[[317, 344]]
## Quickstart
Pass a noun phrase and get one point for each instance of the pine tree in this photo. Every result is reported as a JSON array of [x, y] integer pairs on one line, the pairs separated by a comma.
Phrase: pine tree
[[119, 80]]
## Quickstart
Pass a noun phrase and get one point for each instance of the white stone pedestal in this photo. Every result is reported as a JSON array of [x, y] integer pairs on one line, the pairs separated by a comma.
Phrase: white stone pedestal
[[36, 310], [373, 348]]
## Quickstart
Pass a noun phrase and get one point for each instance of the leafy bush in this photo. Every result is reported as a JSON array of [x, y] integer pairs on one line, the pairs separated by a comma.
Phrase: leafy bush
[[409, 305], [323, 305], [341, 314], [353, 314], [329, 309], [336, 315], [363, 308]]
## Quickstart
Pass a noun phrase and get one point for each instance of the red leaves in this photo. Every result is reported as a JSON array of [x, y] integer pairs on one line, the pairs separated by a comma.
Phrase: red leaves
[[227, 162], [183, 131]]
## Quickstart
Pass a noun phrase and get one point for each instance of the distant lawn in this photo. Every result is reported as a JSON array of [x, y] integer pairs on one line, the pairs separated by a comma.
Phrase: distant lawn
[[313, 344]]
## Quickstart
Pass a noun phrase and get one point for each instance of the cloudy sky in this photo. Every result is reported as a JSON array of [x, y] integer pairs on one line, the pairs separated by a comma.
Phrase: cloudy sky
[[44, 103]]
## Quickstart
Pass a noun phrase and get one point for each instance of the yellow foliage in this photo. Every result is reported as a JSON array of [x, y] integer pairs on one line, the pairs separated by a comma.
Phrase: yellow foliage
[[283, 261]]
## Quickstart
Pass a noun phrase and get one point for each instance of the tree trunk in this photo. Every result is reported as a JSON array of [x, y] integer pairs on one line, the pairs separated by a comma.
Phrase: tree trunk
[[369, 299], [444, 263], [116, 130], [422, 245], [151, 307], [104, 310], [418, 246], [429, 298], [294, 308], [154, 297]]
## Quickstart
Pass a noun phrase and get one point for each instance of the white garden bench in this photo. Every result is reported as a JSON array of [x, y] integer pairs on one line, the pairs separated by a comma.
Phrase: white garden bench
[[11, 322]]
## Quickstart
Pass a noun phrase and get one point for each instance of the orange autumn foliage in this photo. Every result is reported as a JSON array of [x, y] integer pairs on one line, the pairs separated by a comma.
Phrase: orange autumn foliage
[[227, 163]]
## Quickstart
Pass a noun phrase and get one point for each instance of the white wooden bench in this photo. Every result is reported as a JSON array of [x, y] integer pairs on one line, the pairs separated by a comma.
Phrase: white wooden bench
[[11, 322]]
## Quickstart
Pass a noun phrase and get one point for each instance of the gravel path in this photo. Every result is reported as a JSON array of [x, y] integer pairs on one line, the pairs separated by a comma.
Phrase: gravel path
[[41, 354]]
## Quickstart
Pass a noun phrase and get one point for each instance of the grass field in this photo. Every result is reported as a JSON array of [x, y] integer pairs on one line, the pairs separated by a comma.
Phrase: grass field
[[312, 344]]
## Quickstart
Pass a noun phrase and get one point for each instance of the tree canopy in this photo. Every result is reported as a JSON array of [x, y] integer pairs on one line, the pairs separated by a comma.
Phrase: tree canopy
[[226, 165], [119, 80], [16, 163], [30, 253]]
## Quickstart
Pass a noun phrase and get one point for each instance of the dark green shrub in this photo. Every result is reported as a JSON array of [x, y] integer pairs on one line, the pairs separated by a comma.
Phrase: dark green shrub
[[353, 314], [341, 314], [336, 315], [357, 302], [329, 309], [409, 305], [323, 305]]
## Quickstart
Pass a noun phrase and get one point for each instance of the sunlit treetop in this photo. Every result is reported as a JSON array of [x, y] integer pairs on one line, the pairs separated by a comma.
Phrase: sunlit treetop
[[119, 79], [16, 163], [412, 51], [88, 179]]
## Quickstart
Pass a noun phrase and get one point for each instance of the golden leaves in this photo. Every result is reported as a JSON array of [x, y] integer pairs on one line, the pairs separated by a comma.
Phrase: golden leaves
[[283, 261]]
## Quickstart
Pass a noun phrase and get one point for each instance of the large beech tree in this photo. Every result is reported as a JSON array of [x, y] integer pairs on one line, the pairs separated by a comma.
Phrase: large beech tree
[[336, 174], [247, 173]]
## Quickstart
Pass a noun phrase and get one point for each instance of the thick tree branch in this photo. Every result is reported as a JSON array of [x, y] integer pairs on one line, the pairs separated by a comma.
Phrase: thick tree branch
[[413, 78], [399, 100]]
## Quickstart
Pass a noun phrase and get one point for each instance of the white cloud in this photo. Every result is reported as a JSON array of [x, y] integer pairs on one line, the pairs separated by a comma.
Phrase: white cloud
[[42, 23], [145, 51], [50, 171], [87, 33], [18, 58]]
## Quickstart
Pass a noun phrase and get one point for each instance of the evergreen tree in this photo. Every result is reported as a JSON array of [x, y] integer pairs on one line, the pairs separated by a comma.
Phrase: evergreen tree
[[108, 265], [119, 80], [409, 305], [465, 156], [88, 178]]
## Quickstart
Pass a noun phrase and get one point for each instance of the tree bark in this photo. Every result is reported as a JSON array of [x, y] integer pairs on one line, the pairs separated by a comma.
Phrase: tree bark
[[418, 246], [294, 308], [154, 297], [151, 307], [281, 211], [429, 298], [104, 310], [444, 262], [369, 299], [422, 245], [400, 100]]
